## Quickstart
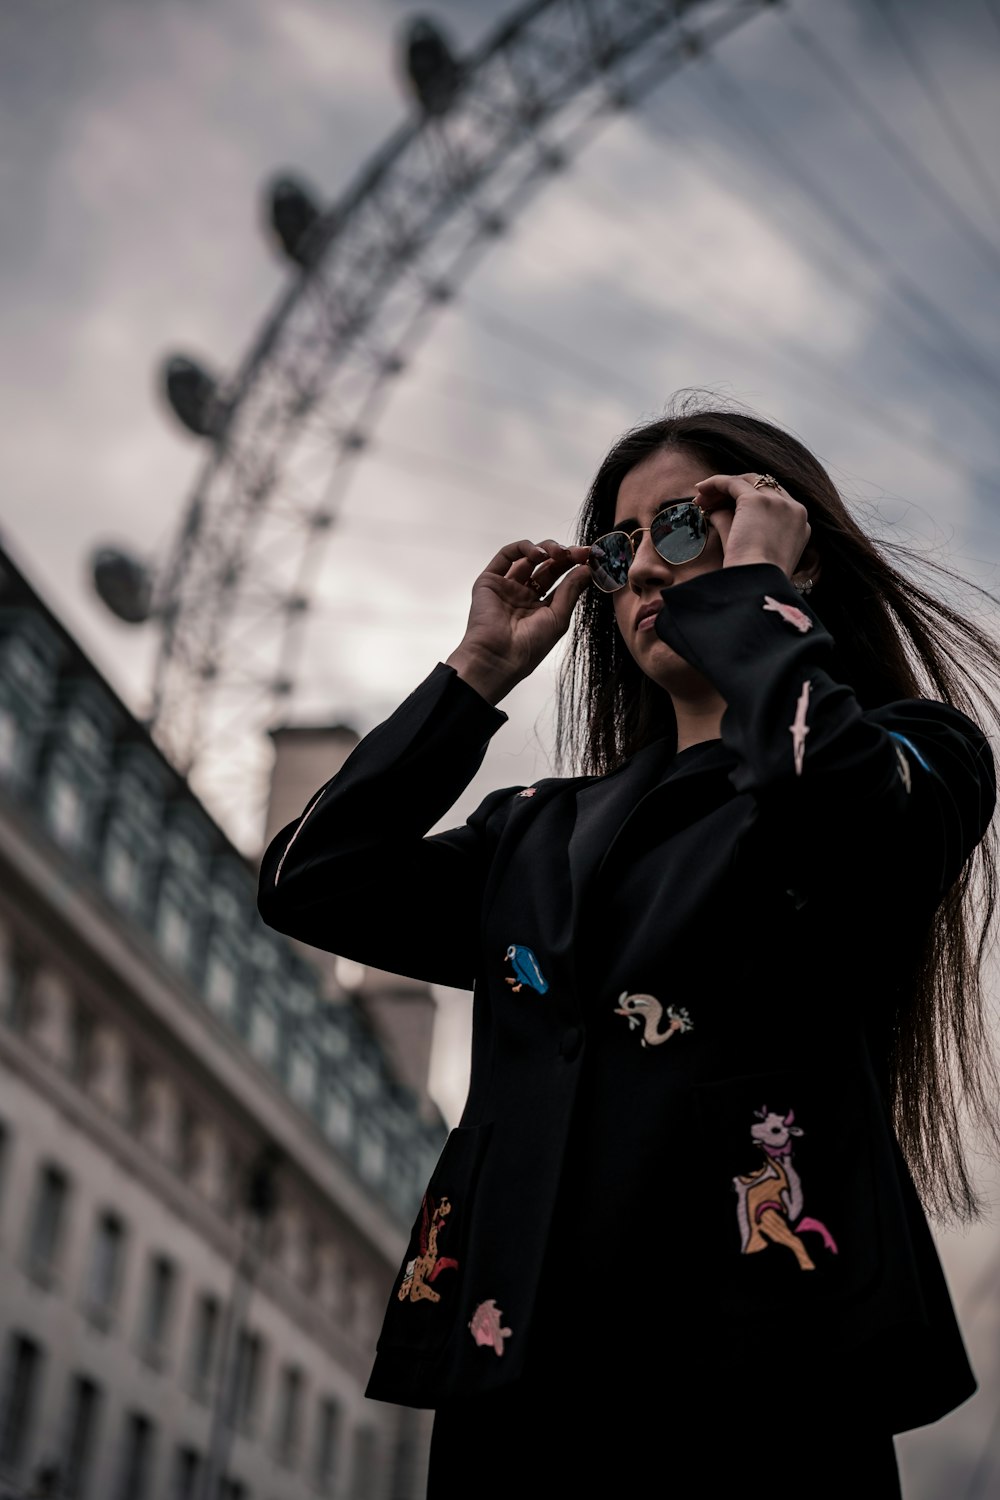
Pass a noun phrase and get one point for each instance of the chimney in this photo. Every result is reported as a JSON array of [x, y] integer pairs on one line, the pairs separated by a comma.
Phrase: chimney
[[401, 1010]]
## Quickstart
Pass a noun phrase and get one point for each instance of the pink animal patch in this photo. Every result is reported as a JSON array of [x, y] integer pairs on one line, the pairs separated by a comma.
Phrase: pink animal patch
[[769, 1200], [789, 613], [486, 1327], [529, 791], [800, 728]]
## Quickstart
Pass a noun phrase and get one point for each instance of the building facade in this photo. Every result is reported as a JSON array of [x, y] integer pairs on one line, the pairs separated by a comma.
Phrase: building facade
[[209, 1156]]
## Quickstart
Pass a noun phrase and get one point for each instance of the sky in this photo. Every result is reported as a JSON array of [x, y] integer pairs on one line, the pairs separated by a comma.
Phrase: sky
[[754, 229]]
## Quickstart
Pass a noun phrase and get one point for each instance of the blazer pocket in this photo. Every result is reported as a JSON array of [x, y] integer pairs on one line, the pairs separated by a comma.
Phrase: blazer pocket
[[789, 1219], [427, 1291]]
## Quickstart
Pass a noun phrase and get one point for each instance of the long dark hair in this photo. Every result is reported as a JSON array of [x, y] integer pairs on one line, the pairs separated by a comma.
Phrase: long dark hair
[[894, 639]]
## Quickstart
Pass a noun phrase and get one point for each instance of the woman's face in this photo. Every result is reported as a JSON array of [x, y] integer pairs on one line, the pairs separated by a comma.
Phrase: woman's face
[[669, 474]]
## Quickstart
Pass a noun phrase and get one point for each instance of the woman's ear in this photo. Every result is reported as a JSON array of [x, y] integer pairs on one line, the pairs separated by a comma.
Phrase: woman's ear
[[808, 566]]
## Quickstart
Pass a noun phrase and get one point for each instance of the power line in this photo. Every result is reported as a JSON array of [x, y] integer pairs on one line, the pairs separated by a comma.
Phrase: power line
[[512, 331], [939, 102], [869, 250], [802, 361], [929, 184]]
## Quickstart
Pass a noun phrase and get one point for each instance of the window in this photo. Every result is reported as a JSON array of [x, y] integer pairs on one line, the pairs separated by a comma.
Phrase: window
[[327, 1439], [80, 1433], [14, 971], [4, 1152], [371, 1155], [47, 1221], [85, 733], [247, 1379], [65, 811], [174, 933], [24, 661], [81, 1044], [364, 1464], [10, 743], [19, 1394], [160, 1283], [337, 1117], [121, 874], [286, 1435], [186, 1479], [263, 1034], [136, 1458], [104, 1271], [302, 1076], [220, 986], [205, 1343]]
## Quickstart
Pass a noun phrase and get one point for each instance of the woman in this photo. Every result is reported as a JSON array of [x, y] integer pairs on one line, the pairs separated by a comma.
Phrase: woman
[[725, 988]]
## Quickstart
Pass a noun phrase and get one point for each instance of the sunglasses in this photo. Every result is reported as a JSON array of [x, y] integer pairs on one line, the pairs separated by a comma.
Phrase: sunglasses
[[678, 532]]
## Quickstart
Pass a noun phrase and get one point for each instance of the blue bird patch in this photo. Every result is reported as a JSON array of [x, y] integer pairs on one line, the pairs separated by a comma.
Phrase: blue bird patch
[[527, 969]]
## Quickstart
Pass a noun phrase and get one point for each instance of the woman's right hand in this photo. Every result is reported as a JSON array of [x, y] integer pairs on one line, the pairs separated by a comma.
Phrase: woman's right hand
[[511, 627]]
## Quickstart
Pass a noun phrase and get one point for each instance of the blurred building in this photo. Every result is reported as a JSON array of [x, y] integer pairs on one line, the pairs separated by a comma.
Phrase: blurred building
[[211, 1150]]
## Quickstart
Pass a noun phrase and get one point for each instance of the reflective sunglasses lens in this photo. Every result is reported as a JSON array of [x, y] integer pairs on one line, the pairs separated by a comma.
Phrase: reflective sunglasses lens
[[679, 534], [610, 559]]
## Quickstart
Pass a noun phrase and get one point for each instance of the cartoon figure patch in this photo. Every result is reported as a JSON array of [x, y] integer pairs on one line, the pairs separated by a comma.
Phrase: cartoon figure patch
[[648, 1012], [428, 1265], [903, 766], [789, 613], [486, 1327], [527, 969], [769, 1201], [800, 728], [903, 763]]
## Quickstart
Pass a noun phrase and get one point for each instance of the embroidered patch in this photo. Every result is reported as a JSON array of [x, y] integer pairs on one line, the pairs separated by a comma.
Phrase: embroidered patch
[[428, 1265], [800, 728], [486, 1327], [789, 613], [529, 791], [769, 1201], [648, 1012], [894, 734], [527, 969], [904, 768]]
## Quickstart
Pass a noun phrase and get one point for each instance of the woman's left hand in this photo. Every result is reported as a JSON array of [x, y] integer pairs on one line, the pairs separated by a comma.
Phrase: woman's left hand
[[754, 525]]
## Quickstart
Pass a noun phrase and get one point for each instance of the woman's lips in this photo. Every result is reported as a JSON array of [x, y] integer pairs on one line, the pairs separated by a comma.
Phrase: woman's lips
[[648, 621]]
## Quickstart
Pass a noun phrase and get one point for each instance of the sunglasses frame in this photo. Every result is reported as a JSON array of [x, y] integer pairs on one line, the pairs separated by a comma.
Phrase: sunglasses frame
[[640, 531]]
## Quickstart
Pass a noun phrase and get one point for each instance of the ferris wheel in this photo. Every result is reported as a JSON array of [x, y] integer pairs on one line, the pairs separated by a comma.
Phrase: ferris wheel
[[368, 275]]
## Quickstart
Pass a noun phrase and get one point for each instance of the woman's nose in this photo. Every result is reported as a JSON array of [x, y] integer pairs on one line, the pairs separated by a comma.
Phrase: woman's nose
[[648, 569]]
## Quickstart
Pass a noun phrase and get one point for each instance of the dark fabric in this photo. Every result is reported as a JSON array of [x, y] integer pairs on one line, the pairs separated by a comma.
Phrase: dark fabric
[[685, 974], [648, 1430]]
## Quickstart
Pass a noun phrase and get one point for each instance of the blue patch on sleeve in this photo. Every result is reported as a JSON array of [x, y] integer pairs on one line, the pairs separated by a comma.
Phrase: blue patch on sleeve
[[911, 747]]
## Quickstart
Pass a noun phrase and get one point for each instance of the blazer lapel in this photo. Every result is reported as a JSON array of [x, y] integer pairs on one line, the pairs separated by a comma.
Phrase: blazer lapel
[[606, 807]]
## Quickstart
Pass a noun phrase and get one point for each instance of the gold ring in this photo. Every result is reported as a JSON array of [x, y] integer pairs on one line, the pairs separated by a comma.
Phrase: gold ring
[[766, 482]]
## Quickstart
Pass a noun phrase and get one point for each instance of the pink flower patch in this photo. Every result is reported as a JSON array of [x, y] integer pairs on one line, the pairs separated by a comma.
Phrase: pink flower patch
[[789, 613], [529, 791], [486, 1327]]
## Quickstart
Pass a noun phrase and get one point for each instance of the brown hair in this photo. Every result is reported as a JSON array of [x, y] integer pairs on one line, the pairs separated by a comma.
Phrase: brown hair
[[893, 640]]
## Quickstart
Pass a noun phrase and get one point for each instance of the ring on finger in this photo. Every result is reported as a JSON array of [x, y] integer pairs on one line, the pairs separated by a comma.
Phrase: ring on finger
[[766, 482]]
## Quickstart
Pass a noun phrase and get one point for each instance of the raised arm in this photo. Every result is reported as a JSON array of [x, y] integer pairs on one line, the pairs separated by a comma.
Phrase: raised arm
[[911, 783], [358, 874]]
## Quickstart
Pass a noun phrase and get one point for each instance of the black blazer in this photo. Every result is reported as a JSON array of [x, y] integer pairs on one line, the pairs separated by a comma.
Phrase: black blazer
[[685, 975]]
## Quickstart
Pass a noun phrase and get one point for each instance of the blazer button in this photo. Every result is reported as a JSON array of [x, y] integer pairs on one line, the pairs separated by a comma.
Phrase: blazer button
[[572, 1041]]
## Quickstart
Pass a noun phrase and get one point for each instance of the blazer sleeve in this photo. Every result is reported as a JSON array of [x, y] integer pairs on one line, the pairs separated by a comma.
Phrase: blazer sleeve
[[357, 874], [910, 785]]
